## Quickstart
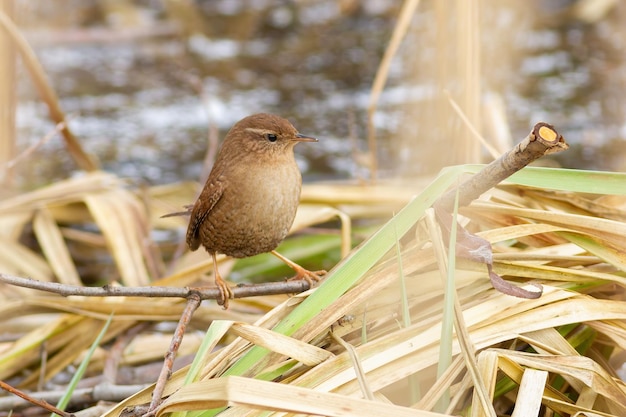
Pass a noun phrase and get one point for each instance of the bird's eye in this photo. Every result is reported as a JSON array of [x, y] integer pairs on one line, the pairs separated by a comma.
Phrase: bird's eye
[[271, 137]]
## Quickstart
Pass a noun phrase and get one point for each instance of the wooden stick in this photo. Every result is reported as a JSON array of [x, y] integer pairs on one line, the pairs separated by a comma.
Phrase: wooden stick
[[208, 293], [542, 140]]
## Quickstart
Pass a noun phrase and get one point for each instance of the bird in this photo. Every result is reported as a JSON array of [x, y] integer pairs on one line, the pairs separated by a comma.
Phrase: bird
[[251, 195]]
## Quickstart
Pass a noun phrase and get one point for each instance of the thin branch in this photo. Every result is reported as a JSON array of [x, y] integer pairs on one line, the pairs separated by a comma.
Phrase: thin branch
[[193, 302], [194, 297], [40, 403], [542, 140], [205, 293], [27, 152], [102, 392], [115, 354]]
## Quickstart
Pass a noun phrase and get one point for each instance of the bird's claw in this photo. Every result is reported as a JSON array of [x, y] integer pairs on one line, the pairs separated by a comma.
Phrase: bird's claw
[[226, 293], [311, 277]]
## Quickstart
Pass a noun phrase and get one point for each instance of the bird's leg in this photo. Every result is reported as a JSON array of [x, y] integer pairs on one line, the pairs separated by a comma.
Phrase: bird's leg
[[225, 291], [301, 273]]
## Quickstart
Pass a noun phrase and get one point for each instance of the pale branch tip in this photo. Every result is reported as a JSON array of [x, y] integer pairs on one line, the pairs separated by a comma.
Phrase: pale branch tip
[[542, 140]]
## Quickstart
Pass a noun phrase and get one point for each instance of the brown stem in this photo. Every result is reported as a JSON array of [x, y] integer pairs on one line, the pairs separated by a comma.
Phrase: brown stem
[[193, 302], [104, 392], [41, 403], [239, 291], [114, 356], [542, 140]]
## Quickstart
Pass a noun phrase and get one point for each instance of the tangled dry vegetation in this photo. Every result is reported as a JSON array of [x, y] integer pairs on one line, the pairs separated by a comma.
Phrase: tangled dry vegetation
[[370, 339], [399, 327]]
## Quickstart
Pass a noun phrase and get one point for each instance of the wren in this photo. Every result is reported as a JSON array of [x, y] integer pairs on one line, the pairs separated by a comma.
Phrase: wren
[[250, 198]]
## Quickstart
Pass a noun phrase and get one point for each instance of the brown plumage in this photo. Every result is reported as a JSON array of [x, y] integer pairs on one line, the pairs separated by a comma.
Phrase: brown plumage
[[250, 198]]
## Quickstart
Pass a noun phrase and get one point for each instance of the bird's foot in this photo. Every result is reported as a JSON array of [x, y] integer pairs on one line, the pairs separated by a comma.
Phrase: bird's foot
[[226, 293], [311, 277]]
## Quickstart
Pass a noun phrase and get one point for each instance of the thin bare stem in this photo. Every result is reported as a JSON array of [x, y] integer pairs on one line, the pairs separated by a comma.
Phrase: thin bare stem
[[240, 291], [28, 151], [41, 403], [542, 140], [193, 302]]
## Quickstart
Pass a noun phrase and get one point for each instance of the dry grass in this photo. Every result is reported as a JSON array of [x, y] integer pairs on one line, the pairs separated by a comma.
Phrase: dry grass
[[376, 338], [571, 334], [390, 313]]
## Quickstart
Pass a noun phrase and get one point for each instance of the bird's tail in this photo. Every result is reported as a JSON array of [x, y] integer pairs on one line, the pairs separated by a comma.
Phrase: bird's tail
[[187, 212]]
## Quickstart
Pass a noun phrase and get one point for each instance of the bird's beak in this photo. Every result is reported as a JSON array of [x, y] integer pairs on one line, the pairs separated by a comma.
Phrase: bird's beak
[[303, 138]]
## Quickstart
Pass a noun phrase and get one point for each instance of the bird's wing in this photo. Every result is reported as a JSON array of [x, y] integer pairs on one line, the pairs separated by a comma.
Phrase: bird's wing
[[211, 194]]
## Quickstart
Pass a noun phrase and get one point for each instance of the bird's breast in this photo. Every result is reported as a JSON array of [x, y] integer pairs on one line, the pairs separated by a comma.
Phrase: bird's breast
[[256, 210]]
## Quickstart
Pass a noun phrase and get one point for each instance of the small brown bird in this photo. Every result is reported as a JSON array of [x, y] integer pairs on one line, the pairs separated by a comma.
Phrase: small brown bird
[[250, 198]]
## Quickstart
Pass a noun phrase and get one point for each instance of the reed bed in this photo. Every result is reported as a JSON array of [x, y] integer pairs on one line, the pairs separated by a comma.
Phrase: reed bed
[[400, 326], [369, 338]]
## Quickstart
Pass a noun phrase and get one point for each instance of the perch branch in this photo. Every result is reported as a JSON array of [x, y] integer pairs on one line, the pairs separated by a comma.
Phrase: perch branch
[[239, 291]]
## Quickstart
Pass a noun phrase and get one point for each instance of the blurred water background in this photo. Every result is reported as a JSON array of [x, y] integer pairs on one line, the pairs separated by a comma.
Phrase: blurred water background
[[144, 80]]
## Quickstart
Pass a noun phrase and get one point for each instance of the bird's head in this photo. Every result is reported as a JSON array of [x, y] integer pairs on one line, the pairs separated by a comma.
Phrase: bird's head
[[265, 134]]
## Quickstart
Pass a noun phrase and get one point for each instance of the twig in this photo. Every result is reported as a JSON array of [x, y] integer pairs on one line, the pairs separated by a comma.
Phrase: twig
[[28, 151], [102, 392], [194, 297], [41, 403], [542, 140], [43, 349], [239, 291], [193, 302], [113, 358]]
